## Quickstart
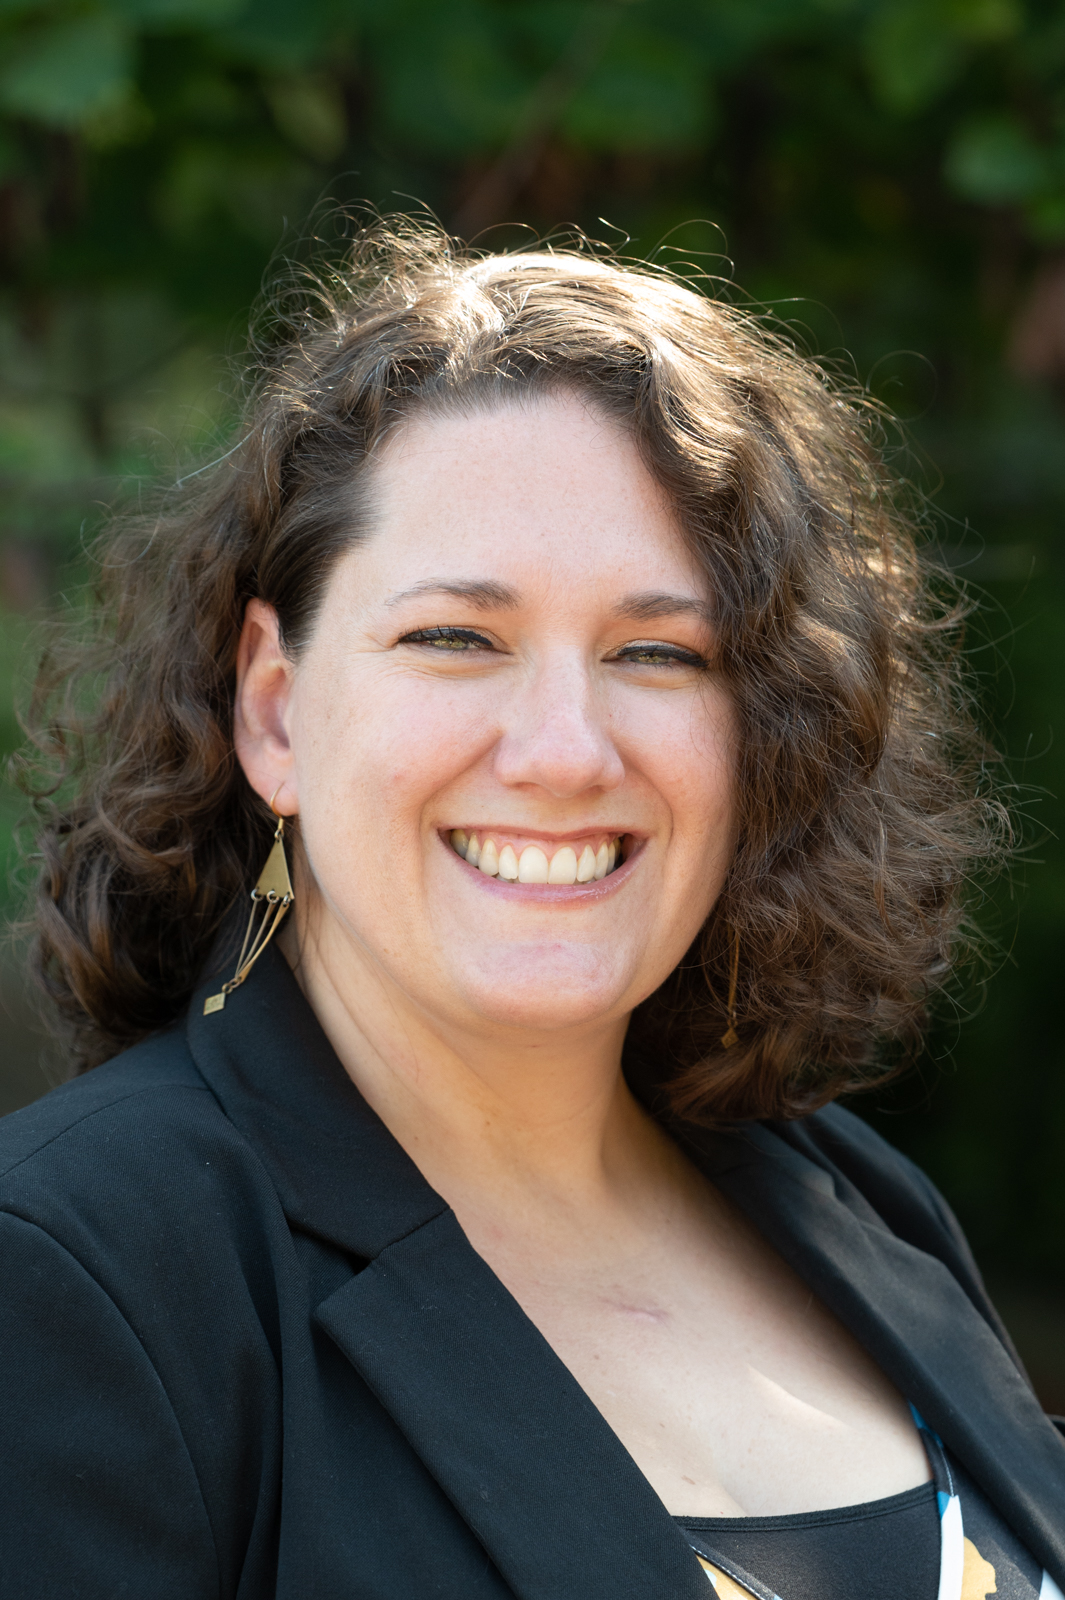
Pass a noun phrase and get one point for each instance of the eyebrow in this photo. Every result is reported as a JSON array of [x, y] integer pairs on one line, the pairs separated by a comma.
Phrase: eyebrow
[[646, 606], [651, 604], [483, 594]]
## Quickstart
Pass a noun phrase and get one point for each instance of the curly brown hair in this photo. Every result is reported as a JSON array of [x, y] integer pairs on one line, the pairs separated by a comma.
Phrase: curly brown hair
[[863, 791]]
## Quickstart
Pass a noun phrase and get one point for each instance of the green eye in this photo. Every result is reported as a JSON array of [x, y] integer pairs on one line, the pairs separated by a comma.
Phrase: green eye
[[650, 658], [659, 655], [454, 639]]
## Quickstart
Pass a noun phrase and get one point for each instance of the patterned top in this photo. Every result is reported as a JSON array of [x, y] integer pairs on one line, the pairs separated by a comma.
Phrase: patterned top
[[978, 1556]]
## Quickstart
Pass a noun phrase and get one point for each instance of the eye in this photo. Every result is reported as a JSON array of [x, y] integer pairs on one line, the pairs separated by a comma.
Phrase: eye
[[456, 640], [654, 654]]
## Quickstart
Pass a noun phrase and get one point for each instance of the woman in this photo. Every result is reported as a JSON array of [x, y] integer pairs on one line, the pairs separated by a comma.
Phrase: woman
[[483, 1226]]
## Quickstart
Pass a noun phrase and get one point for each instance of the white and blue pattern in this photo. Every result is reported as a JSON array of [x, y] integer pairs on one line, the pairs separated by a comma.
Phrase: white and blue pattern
[[978, 1546], [979, 1556]]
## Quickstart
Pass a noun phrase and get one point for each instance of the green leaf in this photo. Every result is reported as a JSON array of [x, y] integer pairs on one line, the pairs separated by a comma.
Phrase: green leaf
[[253, 186], [993, 160], [647, 94], [309, 110], [915, 49], [284, 35], [19, 8], [985, 21], [68, 72], [452, 79], [912, 53], [195, 13], [1046, 218]]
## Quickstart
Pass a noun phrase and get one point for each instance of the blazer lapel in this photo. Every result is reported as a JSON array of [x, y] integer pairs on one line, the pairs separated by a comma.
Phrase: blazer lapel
[[498, 1419], [910, 1312], [503, 1426]]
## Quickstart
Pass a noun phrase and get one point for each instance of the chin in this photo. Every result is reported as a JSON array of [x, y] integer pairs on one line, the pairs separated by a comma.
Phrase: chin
[[544, 986]]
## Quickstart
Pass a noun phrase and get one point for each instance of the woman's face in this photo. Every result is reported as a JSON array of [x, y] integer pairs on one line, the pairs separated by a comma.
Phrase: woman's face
[[506, 684]]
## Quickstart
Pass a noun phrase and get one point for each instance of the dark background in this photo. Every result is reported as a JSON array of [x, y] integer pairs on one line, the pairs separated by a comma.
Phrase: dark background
[[888, 176]]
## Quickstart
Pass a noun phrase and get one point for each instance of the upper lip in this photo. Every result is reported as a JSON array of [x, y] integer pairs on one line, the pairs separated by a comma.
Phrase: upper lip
[[519, 831]]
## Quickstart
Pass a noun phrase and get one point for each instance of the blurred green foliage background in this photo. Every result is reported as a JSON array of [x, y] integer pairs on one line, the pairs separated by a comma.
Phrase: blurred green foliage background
[[887, 175]]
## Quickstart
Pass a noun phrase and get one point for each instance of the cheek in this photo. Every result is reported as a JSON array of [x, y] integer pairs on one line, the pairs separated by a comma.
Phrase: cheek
[[689, 752], [372, 749]]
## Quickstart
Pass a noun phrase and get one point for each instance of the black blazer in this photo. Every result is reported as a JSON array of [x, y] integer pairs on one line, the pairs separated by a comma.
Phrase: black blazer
[[246, 1351]]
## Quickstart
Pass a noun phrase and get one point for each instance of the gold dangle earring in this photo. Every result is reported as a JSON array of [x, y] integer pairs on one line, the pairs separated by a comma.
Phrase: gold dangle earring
[[730, 1036], [272, 892]]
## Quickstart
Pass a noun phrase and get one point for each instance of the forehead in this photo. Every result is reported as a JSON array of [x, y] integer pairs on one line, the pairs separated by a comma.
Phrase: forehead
[[547, 487]]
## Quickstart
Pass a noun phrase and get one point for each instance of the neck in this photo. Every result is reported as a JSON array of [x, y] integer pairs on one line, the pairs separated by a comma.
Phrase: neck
[[518, 1117]]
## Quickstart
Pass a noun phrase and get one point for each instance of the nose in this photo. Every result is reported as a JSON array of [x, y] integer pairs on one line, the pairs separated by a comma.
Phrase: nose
[[558, 736]]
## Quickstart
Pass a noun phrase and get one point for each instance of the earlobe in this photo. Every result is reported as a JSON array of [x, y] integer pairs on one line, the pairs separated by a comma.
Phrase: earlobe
[[260, 708]]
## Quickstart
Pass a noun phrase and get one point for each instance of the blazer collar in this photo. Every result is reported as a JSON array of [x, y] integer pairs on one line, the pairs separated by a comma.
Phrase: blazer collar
[[910, 1312], [498, 1419], [495, 1415], [338, 1171]]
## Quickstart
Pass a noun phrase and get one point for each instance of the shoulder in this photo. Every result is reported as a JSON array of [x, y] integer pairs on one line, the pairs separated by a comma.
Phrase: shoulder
[[140, 1300], [138, 1087], [897, 1189], [903, 1197], [135, 1167]]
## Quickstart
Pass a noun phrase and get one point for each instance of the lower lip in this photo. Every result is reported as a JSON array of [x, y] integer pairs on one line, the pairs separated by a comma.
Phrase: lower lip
[[552, 893]]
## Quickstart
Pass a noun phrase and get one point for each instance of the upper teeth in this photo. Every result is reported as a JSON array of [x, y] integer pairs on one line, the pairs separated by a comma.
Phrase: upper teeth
[[534, 865]]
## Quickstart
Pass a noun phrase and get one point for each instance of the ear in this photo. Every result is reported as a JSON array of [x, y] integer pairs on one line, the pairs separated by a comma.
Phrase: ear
[[261, 706]]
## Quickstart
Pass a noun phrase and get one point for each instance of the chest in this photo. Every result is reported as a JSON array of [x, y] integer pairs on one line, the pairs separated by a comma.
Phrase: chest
[[402, 1463], [731, 1386], [431, 1436]]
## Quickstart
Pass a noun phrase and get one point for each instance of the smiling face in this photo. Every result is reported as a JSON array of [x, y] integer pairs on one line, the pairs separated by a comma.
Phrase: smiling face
[[512, 764]]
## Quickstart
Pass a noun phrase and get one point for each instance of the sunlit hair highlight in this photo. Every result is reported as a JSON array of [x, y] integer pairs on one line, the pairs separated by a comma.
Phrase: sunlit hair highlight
[[863, 789]]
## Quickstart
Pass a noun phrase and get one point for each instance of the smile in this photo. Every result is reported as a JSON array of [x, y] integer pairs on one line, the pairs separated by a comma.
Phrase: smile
[[577, 861]]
